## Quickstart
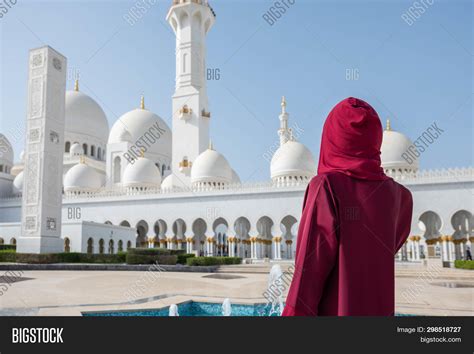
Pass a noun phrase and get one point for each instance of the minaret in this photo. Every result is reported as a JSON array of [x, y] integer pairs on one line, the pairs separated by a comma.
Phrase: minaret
[[191, 21], [284, 132], [44, 149]]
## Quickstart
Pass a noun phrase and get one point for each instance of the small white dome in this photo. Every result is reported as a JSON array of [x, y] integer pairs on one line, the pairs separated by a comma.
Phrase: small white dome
[[142, 173], [6, 151], [172, 183], [82, 178], [85, 117], [76, 150], [293, 159], [211, 167], [395, 146], [18, 183], [145, 125]]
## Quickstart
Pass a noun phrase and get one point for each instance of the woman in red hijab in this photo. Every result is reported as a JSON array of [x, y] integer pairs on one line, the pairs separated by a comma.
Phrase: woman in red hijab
[[354, 221]]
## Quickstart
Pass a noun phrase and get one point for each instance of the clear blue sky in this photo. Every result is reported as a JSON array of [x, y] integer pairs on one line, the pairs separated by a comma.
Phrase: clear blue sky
[[415, 75]]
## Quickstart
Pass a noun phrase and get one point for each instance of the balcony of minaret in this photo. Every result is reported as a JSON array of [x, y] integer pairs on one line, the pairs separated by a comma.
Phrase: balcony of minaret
[[199, 2], [205, 114], [185, 113], [185, 165]]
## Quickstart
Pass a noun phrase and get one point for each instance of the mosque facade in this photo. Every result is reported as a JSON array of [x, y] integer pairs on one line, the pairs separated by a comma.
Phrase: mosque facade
[[143, 184]]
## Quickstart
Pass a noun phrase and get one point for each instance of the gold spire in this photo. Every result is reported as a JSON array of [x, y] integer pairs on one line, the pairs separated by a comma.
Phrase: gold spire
[[211, 147], [283, 101], [142, 102], [142, 151], [76, 85], [82, 159], [388, 127]]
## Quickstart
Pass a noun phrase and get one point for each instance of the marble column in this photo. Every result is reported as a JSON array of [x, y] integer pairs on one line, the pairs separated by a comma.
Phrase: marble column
[[151, 241], [232, 244], [444, 249], [289, 253], [417, 248], [277, 248], [253, 248]]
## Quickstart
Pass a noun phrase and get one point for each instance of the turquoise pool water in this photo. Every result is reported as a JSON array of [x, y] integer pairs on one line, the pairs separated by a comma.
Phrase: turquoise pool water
[[197, 309], [193, 309]]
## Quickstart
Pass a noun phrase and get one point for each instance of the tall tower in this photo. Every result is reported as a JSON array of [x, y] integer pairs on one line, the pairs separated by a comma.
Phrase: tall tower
[[284, 132], [42, 189], [191, 20]]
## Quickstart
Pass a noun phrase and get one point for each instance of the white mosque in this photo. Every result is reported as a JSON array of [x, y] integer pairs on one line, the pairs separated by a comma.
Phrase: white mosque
[[142, 184]]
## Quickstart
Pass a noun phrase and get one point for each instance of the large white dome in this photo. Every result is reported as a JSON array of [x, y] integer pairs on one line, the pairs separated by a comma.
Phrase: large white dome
[[142, 173], [211, 167], [6, 151], [82, 178], [141, 124], [395, 146], [84, 117], [293, 159]]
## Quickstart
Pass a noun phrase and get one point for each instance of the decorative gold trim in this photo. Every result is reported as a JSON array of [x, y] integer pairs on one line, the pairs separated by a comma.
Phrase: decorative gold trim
[[76, 85], [205, 114], [185, 164], [185, 110]]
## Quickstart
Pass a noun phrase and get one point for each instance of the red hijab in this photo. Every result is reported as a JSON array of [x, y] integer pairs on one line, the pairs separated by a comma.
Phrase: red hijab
[[351, 140]]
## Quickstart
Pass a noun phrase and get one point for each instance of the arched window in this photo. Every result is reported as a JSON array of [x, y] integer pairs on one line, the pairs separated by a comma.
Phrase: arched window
[[129, 244], [99, 153], [120, 246], [1, 168], [111, 247], [92, 150], [185, 59], [117, 169], [68, 146], [101, 246], [86, 150], [90, 246], [13, 241], [1, 241], [67, 245]]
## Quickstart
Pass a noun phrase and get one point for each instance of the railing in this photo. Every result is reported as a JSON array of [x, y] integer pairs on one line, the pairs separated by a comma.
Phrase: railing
[[252, 187], [200, 2], [420, 177], [448, 175]]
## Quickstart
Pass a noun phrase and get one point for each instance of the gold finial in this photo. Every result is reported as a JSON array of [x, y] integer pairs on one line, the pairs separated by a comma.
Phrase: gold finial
[[142, 102], [388, 127], [211, 147], [283, 101], [76, 85], [82, 159], [142, 153]]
